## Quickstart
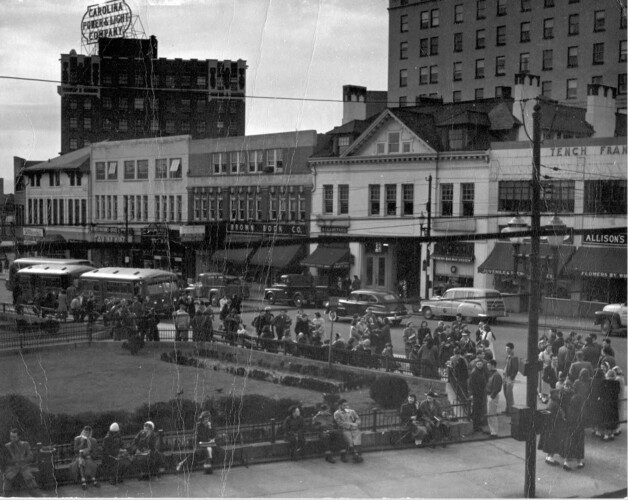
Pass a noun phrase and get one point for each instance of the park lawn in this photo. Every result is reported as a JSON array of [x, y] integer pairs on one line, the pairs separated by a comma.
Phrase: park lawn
[[107, 377]]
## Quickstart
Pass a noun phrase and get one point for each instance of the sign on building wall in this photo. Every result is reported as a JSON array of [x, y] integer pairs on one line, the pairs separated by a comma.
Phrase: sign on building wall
[[606, 239], [107, 20]]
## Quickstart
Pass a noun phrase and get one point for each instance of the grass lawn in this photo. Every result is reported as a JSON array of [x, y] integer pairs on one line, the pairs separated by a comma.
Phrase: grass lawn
[[107, 377]]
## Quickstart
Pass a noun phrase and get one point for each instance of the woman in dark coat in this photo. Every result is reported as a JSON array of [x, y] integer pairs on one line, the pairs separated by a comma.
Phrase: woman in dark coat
[[115, 459], [477, 391], [205, 440], [294, 428], [145, 455], [409, 413], [573, 441], [553, 432]]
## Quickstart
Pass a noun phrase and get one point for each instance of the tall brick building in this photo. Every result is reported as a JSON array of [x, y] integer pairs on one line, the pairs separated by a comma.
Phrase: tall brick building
[[126, 91]]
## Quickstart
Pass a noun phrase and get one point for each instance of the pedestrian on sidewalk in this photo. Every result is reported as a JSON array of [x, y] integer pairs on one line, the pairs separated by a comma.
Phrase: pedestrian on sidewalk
[[545, 357], [553, 433], [477, 391], [493, 388], [510, 374]]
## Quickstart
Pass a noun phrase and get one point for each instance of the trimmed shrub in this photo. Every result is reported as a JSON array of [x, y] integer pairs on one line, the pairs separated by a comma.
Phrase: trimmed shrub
[[389, 391]]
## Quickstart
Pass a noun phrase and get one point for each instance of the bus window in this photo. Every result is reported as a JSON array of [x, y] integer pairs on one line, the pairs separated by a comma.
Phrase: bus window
[[118, 288]]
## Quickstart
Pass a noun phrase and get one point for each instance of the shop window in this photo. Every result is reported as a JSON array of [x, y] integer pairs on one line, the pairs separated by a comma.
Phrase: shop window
[[605, 197]]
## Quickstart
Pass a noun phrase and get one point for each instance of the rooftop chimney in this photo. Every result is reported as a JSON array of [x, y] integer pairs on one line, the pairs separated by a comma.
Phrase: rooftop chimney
[[601, 107], [353, 103], [527, 89]]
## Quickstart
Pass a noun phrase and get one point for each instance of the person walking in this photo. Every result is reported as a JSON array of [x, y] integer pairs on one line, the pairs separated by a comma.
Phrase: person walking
[[510, 374], [493, 388], [181, 323]]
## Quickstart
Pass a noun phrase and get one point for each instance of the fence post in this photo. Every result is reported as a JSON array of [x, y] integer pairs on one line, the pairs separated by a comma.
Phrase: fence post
[[375, 412], [273, 435]]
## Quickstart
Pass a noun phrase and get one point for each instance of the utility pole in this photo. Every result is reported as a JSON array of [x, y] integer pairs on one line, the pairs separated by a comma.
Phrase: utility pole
[[126, 231], [428, 233], [534, 305]]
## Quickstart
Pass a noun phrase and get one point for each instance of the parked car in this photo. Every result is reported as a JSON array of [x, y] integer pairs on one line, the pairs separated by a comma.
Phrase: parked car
[[213, 286], [299, 290], [612, 318], [473, 303], [382, 303]]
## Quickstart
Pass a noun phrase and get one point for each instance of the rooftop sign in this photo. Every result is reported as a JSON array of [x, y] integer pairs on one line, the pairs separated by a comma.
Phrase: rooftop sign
[[107, 20]]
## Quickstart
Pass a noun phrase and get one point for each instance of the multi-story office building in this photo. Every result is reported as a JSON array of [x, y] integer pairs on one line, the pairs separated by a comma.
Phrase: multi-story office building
[[126, 91], [463, 50]]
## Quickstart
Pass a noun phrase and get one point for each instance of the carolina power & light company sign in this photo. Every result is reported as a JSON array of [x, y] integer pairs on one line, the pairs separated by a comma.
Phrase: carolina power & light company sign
[[108, 20]]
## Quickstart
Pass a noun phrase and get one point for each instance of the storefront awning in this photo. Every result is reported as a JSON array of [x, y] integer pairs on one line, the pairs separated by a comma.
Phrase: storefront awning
[[598, 262], [235, 255], [275, 256], [501, 261], [328, 258]]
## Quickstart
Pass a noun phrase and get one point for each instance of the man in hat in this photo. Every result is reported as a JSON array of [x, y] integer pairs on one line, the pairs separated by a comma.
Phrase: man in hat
[[467, 346], [19, 459], [477, 391], [409, 338], [510, 374], [348, 422], [433, 419], [282, 324], [294, 429], [323, 422], [493, 388]]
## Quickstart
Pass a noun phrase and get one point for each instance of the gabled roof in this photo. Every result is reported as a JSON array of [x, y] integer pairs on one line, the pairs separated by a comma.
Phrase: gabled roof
[[75, 160], [467, 117]]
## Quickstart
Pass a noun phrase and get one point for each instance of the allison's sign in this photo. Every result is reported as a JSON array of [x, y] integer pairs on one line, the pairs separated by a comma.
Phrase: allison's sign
[[108, 20]]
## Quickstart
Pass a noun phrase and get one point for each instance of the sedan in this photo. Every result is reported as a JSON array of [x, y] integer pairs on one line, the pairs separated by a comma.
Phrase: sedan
[[383, 303]]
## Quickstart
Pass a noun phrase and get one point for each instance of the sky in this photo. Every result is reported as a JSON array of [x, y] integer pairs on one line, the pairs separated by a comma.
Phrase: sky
[[301, 49]]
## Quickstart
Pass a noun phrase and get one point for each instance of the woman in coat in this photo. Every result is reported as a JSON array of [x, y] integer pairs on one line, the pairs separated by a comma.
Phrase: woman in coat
[[115, 459], [205, 440], [554, 430], [145, 454], [294, 428], [408, 413], [573, 440]]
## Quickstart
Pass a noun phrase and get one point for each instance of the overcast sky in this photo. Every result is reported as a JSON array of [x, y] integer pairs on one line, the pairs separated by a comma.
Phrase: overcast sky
[[294, 48]]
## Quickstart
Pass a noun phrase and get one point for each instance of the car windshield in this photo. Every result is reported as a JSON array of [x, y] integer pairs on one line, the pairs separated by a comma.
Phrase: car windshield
[[390, 297]]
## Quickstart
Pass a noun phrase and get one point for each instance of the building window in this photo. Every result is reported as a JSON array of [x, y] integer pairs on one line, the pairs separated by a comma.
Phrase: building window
[[112, 170], [524, 62], [403, 101], [142, 169], [525, 5], [622, 19], [598, 53], [596, 79], [73, 144], [343, 199], [433, 74], [219, 162], [500, 65], [391, 199], [457, 71], [479, 94], [256, 161], [423, 47], [501, 7], [514, 196], [169, 126], [175, 168], [403, 78], [479, 68], [434, 46], [572, 88], [457, 96], [138, 103], [499, 91], [74, 104], [525, 32], [574, 24], [480, 9], [100, 171], [328, 199], [394, 139], [425, 20], [457, 42], [403, 50], [446, 200], [467, 198], [622, 51], [599, 20], [87, 104], [605, 197], [374, 199], [548, 28], [154, 125], [407, 191], [572, 57], [129, 170], [123, 125], [548, 4], [423, 75], [123, 103], [106, 102], [185, 127], [480, 39], [500, 38], [403, 26], [73, 123], [434, 18], [161, 168], [274, 160], [458, 13], [548, 59], [621, 83]]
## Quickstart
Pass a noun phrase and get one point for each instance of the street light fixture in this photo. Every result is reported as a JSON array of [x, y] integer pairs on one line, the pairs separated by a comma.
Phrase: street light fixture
[[557, 227], [422, 220]]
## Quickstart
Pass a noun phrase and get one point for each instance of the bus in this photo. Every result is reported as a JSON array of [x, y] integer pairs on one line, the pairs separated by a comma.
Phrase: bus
[[23, 262], [47, 280], [157, 288]]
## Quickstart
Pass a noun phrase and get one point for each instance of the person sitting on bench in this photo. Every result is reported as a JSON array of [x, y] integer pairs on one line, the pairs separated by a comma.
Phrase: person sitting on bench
[[432, 417], [18, 457]]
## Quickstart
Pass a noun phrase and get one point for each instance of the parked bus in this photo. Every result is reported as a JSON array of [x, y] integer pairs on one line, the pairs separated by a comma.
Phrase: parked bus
[[47, 280], [156, 287], [33, 261]]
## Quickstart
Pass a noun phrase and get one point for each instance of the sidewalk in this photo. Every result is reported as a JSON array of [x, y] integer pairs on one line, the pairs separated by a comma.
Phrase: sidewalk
[[485, 469]]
